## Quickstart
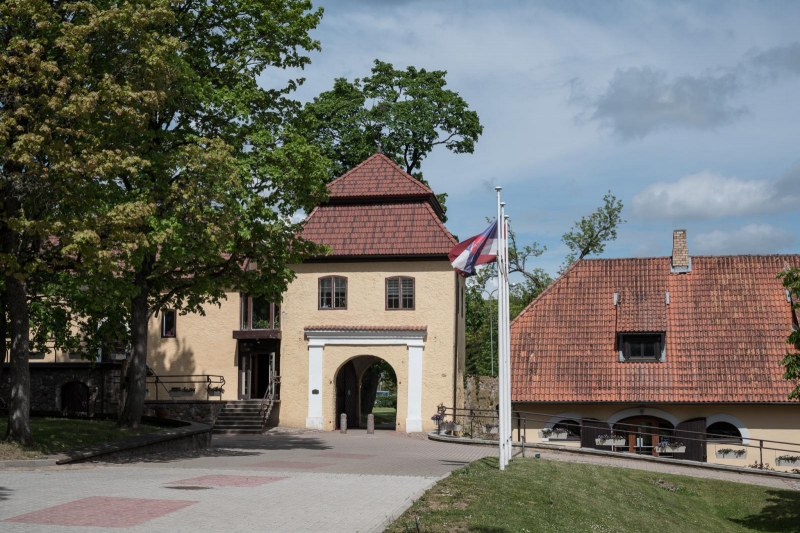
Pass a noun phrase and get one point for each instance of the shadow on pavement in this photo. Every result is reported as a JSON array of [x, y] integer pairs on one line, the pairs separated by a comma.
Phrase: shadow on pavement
[[5, 493], [781, 513], [270, 443]]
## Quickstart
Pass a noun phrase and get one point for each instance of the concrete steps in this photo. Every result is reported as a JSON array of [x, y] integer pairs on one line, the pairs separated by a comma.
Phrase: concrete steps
[[240, 417]]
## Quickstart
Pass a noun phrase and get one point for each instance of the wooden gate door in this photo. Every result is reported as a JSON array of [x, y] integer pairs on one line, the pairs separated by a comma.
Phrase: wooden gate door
[[591, 430], [351, 395], [692, 433]]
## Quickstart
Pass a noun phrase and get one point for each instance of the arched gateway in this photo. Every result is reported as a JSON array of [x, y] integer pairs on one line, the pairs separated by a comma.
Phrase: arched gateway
[[356, 385]]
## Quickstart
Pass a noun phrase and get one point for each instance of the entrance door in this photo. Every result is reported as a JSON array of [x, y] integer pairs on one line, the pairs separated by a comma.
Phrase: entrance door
[[245, 376], [644, 433], [347, 395]]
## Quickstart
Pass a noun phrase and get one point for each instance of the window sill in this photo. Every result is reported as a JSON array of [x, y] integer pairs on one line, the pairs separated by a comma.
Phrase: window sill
[[250, 334]]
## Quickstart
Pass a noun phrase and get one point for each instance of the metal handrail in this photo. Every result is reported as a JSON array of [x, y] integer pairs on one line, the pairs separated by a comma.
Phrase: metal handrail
[[492, 414], [209, 379]]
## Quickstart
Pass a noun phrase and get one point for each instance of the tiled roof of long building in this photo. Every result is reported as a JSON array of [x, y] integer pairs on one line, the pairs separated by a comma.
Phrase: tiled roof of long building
[[725, 326]]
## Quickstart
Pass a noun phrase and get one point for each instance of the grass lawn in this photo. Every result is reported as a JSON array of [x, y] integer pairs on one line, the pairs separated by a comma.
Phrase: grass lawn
[[383, 415], [56, 435], [550, 496]]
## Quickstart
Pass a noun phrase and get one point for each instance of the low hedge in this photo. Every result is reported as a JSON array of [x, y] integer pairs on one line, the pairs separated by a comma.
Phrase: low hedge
[[386, 401]]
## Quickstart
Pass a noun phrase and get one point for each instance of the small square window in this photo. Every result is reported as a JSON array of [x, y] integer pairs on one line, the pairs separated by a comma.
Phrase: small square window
[[399, 293], [333, 292], [168, 324], [641, 347]]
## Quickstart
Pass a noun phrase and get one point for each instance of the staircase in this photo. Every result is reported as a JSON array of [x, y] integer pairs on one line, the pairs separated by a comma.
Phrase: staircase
[[240, 417]]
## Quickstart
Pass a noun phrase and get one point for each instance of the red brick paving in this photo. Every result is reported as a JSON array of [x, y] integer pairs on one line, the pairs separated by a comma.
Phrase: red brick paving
[[340, 455], [227, 481], [291, 464], [101, 511]]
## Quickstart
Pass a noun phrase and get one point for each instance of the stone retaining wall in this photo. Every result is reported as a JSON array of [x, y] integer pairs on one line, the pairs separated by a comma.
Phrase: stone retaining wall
[[480, 392], [200, 411]]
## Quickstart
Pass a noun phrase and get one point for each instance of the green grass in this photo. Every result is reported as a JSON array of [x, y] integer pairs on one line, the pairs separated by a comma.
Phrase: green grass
[[56, 435], [383, 415], [550, 496]]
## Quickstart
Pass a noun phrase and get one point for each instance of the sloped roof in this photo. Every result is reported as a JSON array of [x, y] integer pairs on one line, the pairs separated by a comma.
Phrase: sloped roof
[[393, 229], [377, 209], [377, 176], [725, 330]]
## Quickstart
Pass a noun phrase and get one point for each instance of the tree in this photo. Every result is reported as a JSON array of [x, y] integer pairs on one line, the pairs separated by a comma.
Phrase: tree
[[223, 177], [587, 237], [791, 280], [403, 113], [71, 74]]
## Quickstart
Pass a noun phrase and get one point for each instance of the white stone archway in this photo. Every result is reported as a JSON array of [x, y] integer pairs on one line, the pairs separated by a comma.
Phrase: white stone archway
[[318, 338], [642, 411], [721, 417]]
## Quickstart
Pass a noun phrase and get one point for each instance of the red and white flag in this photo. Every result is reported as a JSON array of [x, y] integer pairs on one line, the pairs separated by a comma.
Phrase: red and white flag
[[477, 250]]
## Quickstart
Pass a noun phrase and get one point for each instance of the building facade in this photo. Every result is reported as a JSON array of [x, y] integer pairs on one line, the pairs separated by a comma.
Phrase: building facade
[[386, 291], [681, 349]]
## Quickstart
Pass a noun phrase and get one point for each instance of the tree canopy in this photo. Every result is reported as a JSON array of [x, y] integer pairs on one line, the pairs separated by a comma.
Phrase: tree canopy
[[791, 280], [403, 113]]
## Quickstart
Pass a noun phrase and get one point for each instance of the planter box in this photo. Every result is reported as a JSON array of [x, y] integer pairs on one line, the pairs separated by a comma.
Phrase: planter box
[[667, 449], [731, 455], [784, 462], [610, 442], [215, 393], [492, 430], [553, 436]]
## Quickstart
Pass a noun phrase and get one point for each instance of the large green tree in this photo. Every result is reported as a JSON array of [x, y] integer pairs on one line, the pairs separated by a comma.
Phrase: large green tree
[[791, 280], [403, 113], [224, 174], [75, 77], [588, 236]]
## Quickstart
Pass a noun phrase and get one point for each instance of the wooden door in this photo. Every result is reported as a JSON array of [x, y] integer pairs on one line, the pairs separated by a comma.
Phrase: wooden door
[[592, 429], [692, 433], [351, 395]]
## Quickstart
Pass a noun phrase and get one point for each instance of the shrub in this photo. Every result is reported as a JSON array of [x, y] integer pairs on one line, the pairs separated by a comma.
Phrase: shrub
[[386, 401]]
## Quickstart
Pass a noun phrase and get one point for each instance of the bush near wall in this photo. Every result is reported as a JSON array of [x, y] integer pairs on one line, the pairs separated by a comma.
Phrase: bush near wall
[[386, 401]]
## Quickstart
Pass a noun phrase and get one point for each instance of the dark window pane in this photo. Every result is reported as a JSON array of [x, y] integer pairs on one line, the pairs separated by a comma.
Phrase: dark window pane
[[277, 317], [325, 293], [393, 293], [261, 318], [245, 312], [339, 293], [408, 294], [168, 323], [646, 347]]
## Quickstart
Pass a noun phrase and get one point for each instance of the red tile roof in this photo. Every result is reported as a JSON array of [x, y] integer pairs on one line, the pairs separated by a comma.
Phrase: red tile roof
[[378, 210], [376, 176], [379, 229], [725, 329]]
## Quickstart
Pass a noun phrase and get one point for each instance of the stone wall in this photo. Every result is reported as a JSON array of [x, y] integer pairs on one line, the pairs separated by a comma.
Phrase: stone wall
[[480, 392], [200, 411], [48, 380]]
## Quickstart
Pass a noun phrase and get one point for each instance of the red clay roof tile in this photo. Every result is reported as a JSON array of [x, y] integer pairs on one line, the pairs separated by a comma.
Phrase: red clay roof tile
[[376, 176], [725, 329]]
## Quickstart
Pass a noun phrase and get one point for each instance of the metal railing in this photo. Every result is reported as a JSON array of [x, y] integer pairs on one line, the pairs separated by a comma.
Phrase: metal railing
[[187, 383], [483, 423], [271, 394]]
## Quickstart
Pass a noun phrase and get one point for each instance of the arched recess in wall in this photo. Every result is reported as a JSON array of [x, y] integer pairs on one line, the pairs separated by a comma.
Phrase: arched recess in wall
[[348, 391], [721, 417], [642, 411], [562, 416]]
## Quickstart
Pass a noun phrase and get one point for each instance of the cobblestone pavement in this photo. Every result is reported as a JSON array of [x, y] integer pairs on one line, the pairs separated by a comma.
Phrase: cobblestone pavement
[[664, 468], [281, 482]]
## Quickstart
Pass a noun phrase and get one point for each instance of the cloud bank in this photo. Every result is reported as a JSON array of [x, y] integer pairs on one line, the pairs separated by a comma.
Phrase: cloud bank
[[750, 239]]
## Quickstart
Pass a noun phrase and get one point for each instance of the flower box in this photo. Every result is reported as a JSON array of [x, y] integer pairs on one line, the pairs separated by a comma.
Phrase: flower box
[[552, 434], [787, 460], [727, 453], [610, 442], [215, 392], [671, 449]]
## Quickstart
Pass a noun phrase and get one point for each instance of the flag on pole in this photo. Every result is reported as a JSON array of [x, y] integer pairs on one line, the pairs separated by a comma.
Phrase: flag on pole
[[477, 250]]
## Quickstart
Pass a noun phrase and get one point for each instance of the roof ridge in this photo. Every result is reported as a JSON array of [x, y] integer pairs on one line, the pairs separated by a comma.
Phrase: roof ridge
[[703, 256], [397, 167], [546, 290]]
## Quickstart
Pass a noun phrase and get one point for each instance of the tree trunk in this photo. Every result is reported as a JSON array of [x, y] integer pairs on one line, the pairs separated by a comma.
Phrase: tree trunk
[[369, 390], [136, 375], [3, 334], [19, 404]]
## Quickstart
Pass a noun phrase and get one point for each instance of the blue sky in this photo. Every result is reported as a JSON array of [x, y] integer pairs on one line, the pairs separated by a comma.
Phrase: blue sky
[[688, 112]]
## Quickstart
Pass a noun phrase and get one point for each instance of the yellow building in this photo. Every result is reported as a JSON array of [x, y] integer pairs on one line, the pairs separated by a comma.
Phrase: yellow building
[[386, 292], [680, 350]]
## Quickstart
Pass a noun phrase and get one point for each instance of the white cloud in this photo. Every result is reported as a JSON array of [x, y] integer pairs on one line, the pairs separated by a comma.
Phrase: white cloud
[[708, 194], [750, 239]]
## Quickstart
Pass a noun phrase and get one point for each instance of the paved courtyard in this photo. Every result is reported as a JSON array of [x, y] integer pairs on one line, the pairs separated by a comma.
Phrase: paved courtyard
[[285, 482]]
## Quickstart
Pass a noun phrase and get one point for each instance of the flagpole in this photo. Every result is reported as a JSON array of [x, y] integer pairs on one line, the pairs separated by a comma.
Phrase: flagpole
[[500, 341], [505, 377], [510, 425]]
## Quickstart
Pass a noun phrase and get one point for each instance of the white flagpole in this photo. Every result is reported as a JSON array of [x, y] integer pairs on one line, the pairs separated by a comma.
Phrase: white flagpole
[[506, 288], [500, 311], [507, 316]]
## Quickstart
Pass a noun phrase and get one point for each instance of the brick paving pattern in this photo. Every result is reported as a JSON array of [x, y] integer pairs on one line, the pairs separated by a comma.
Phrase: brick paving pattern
[[227, 481], [102, 512]]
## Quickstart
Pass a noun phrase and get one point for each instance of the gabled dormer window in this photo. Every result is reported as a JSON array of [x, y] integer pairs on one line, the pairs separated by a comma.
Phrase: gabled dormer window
[[641, 347], [333, 292]]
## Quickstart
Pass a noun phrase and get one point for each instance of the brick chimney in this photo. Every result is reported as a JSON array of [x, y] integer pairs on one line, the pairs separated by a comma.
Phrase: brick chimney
[[681, 262]]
